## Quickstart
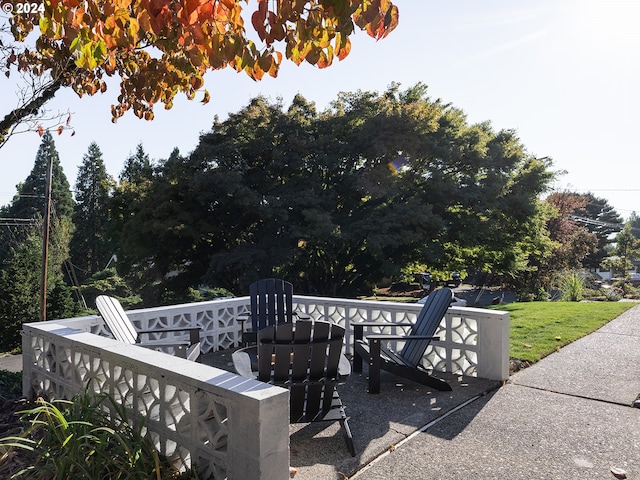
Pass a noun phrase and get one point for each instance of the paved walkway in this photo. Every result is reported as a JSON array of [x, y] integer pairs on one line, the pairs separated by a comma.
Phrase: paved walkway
[[569, 416]]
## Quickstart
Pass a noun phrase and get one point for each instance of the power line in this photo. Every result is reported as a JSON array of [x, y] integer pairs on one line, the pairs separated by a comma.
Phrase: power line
[[614, 226], [17, 222]]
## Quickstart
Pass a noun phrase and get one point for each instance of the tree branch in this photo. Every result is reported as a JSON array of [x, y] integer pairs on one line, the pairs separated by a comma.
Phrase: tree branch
[[28, 109]]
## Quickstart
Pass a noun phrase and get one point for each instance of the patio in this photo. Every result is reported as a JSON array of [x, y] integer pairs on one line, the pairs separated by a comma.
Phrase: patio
[[238, 428], [378, 422]]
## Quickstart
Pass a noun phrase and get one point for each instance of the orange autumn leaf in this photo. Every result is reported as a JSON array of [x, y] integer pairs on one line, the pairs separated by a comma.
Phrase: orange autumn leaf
[[163, 44]]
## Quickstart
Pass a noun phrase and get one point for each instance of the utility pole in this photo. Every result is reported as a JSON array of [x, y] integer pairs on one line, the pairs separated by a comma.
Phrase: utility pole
[[45, 238]]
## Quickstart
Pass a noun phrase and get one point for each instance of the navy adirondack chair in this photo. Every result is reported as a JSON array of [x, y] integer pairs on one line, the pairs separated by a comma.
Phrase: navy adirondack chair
[[271, 304], [408, 362], [306, 358]]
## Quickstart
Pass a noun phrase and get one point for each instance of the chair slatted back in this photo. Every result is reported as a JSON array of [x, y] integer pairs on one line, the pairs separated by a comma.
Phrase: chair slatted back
[[426, 324], [116, 319], [304, 358], [271, 303]]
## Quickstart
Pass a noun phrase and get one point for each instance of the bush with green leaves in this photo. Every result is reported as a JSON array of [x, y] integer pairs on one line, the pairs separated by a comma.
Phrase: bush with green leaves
[[614, 294], [10, 385], [85, 438], [532, 295]]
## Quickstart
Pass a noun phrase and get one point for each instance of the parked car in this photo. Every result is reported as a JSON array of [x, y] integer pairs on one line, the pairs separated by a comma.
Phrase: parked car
[[455, 301], [454, 281]]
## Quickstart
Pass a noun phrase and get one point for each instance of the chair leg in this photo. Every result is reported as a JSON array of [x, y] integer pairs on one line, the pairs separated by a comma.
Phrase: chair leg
[[374, 365], [348, 437], [357, 358]]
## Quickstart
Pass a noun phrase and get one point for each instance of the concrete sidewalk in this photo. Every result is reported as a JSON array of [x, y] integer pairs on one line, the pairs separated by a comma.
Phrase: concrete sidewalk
[[12, 363], [570, 416]]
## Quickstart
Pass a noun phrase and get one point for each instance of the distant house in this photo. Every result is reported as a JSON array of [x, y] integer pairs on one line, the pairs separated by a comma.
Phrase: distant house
[[633, 272]]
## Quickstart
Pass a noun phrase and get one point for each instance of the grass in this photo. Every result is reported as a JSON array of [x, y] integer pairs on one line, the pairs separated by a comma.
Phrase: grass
[[540, 328]]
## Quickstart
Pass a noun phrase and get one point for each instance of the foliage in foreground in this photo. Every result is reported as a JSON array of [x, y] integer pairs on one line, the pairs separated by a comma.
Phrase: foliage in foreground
[[79, 439], [10, 385], [540, 328]]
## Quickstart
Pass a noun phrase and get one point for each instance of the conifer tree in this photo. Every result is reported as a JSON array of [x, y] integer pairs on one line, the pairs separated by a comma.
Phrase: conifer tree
[[135, 180], [30, 199], [29, 203], [89, 247]]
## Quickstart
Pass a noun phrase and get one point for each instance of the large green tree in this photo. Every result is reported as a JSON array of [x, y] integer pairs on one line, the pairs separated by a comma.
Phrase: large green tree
[[601, 219], [90, 249], [335, 200], [133, 184], [30, 197]]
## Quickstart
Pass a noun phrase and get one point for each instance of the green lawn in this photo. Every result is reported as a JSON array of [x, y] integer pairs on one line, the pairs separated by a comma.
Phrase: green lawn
[[540, 328]]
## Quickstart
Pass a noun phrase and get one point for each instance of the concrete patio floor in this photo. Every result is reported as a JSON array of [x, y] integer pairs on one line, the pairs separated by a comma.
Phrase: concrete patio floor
[[378, 422]]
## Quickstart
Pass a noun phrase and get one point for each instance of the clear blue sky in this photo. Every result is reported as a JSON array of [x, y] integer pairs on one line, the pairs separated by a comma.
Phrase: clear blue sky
[[565, 74]]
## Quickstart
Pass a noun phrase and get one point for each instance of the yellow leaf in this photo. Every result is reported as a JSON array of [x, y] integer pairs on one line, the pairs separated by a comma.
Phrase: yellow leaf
[[134, 27], [206, 97], [44, 24]]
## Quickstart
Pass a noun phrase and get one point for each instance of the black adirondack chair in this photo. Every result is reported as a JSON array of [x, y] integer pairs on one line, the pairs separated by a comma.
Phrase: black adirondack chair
[[123, 330], [408, 362], [306, 358], [271, 304]]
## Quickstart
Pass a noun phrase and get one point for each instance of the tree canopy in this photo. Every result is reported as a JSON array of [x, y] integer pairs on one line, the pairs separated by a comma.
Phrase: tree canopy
[[158, 48], [336, 200]]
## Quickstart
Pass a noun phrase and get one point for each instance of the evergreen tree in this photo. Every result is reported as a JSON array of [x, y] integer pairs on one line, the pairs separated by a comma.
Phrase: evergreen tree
[[605, 222], [31, 193], [20, 279], [634, 224], [29, 203], [20, 287], [137, 168], [90, 250], [124, 205]]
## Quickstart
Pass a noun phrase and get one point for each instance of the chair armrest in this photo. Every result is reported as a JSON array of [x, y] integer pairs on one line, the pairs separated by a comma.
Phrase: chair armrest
[[382, 324], [302, 315], [344, 369], [194, 332], [400, 337], [242, 319], [242, 363], [358, 331]]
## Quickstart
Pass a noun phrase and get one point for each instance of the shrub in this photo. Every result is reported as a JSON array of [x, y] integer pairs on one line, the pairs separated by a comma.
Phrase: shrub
[[571, 285], [78, 439], [614, 294], [539, 295]]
